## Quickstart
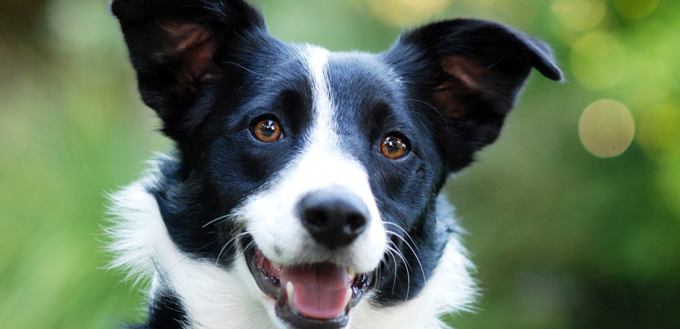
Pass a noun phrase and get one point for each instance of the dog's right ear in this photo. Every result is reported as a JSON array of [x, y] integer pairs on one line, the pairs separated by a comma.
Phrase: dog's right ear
[[177, 47]]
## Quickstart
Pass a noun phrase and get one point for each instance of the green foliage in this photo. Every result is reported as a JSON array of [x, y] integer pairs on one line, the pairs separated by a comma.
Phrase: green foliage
[[562, 239]]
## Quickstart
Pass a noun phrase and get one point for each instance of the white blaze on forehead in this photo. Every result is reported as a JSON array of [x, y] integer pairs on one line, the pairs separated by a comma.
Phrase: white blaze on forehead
[[271, 216], [324, 129]]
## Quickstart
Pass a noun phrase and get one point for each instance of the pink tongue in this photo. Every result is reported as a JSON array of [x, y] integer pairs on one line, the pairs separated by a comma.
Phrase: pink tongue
[[320, 289]]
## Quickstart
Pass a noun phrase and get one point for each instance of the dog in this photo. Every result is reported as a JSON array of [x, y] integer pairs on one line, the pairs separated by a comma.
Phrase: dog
[[304, 189]]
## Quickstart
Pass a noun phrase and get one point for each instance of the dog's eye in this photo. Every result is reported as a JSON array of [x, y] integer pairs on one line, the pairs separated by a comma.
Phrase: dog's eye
[[267, 130], [393, 147]]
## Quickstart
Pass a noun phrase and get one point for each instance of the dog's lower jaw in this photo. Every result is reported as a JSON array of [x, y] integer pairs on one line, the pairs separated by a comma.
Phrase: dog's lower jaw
[[212, 297], [339, 287]]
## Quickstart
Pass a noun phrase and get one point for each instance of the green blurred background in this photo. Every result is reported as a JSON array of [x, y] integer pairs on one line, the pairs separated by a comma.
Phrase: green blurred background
[[562, 238]]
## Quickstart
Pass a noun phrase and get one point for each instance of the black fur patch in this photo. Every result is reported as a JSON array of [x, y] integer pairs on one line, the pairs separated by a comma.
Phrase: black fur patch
[[165, 312]]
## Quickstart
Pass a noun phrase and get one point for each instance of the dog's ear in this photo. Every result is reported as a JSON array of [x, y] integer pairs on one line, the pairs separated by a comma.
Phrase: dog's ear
[[470, 71], [178, 46]]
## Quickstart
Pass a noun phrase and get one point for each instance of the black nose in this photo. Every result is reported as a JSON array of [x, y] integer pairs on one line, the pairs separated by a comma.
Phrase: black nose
[[333, 217]]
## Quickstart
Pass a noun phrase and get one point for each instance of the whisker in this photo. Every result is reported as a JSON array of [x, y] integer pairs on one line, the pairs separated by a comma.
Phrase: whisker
[[250, 244], [217, 260], [432, 107], [422, 270], [384, 261], [246, 69], [262, 77], [216, 219], [405, 233], [394, 260], [233, 239], [406, 266]]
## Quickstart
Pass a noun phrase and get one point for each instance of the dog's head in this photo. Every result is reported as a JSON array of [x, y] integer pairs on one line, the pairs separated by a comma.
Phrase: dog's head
[[320, 170]]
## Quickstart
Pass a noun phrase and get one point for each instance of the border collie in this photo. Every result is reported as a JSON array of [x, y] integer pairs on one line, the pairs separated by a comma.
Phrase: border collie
[[304, 189]]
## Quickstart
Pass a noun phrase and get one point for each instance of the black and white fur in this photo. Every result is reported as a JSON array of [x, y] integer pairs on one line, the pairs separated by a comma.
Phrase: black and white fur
[[209, 68]]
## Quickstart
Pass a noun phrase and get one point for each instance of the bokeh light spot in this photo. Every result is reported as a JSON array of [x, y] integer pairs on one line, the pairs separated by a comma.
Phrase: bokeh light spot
[[635, 9], [598, 60], [606, 128], [659, 133], [400, 12], [579, 15]]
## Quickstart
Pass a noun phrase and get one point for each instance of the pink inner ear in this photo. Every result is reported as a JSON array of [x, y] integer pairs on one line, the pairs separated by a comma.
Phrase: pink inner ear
[[465, 76], [195, 45], [466, 71]]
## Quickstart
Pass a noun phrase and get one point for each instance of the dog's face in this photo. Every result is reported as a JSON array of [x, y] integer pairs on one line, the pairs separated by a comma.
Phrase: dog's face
[[318, 170]]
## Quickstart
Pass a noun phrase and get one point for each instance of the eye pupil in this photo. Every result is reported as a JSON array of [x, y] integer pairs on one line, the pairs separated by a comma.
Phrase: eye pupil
[[393, 147], [268, 127], [267, 130]]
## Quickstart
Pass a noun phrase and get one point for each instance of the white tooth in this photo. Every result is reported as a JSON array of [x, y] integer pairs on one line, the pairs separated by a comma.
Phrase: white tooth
[[348, 297], [289, 290], [351, 273]]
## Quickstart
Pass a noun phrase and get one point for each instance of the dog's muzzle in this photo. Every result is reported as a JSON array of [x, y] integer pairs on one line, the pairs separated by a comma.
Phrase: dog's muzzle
[[316, 295]]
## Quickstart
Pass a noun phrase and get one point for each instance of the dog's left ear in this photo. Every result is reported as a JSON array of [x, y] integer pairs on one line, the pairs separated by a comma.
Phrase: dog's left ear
[[471, 71]]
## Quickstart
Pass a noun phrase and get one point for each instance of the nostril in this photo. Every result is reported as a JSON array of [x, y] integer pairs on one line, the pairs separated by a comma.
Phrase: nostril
[[355, 224]]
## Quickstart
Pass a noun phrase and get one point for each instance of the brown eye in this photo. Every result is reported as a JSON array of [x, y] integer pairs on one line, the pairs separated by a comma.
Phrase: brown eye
[[393, 147], [267, 130]]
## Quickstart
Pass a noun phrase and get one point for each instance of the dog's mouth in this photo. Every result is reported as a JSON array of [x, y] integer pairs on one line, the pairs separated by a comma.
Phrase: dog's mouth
[[318, 296]]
